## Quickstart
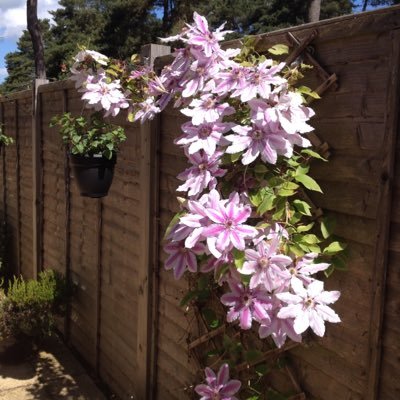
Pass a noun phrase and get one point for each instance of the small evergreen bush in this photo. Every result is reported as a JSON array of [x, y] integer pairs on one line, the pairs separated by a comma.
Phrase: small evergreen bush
[[29, 307]]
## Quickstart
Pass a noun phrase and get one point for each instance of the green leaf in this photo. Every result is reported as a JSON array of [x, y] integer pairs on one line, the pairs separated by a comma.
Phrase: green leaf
[[131, 117], [304, 228], [239, 258], [327, 226], [314, 248], [287, 189], [210, 317], [302, 207], [267, 203], [307, 91], [308, 182], [310, 239], [296, 250], [260, 169], [280, 209], [279, 49], [302, 170], [334, 247], [339, 263], [235, 157], [313, 154], [256, 198]]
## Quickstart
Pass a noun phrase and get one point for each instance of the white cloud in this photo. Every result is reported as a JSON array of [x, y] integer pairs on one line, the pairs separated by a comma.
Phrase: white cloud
[[13, 15], [3, 73]]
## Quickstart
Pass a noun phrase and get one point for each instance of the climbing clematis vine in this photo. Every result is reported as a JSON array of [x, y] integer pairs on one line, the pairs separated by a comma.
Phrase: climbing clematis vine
[[245, 218]]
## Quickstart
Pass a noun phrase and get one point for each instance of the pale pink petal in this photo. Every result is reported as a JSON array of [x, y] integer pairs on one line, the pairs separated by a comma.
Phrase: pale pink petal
[[327, 313], [301, 322], [316, 323], [327, 297], [289, 298], [236, 240], [213, 230], [314, 268], [231, 388], [290, 311], [204, 390], [223, 375], [299, 289], [245, 318], [315, 288]]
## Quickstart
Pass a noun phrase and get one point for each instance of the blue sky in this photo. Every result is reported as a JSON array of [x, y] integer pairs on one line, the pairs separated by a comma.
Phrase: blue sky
[[13, 21]]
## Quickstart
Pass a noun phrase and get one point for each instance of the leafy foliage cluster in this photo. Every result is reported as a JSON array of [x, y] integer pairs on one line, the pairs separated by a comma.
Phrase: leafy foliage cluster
[[5, 139], [29, 307], [89, 136]]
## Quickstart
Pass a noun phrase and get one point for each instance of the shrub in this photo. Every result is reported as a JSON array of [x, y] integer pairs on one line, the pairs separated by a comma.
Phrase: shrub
[[30, 306]]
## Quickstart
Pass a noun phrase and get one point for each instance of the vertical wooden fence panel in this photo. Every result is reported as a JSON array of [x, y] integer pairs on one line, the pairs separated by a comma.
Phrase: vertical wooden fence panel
[[385, 360], [53, 183], [11, 182], [173, 327], [84, 235], [25, 161]]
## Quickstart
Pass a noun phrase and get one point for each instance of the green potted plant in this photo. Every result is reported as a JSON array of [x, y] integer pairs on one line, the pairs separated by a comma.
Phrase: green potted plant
[[93, 145], [28, 311]]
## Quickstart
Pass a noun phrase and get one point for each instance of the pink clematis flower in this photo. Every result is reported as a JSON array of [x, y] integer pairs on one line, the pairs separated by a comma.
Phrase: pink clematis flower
[[199, 72], [258, 140], [204, 137], [207, 109], [309, 306], [200, 35], [302, 270], [265, 265], [202, 174], [108, 96], [234, 78], [260, 80], [279, 329], [147, 110], [246, 304], [218, 386], [196, 220], [228, 227], [285, 109], [181, 258]]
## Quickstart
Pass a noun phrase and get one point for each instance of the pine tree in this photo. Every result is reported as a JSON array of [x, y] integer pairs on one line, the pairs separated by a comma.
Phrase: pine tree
[[128, 25], [76, 22]]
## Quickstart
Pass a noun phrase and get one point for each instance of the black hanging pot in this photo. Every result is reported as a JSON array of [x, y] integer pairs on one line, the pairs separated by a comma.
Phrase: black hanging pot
[[93, 174]]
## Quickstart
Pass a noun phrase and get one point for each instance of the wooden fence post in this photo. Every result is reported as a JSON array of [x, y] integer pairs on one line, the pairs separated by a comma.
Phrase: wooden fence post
[[37, 166], [147, 285], [18, 186], [383, 222]]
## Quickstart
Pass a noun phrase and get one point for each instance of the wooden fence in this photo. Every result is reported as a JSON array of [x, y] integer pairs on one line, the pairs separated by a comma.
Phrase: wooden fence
[[125, 319]]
